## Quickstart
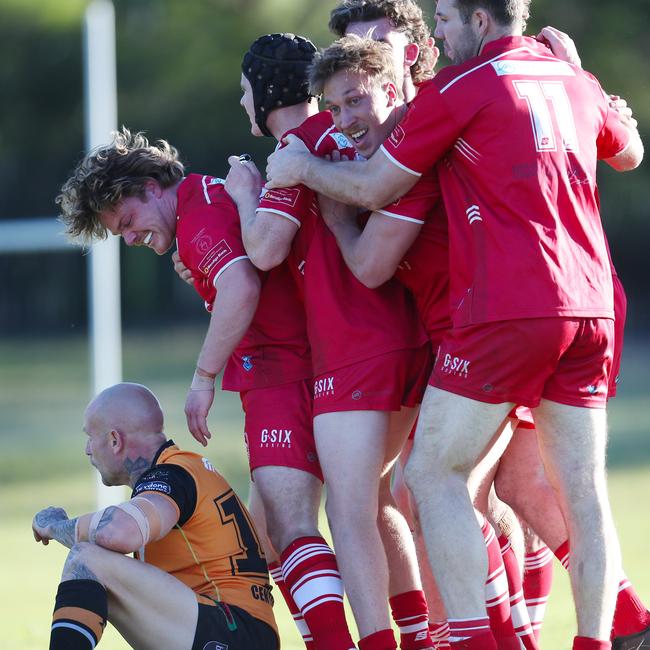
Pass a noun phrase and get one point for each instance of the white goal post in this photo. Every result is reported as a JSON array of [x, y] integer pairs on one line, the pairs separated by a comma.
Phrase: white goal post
[[45, 233]]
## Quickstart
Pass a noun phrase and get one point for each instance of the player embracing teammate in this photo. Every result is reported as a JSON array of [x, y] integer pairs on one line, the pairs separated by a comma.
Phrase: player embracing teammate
[[511, 281], [487, 120]]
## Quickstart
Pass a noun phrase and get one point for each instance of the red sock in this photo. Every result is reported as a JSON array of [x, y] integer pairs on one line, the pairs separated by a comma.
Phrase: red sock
[[497, 598], [411, 614], [585, 643], [439, 631], [562, 554], [312, 577], [538, 579], [518, 611], [631, 615], [471, 634], [276, 573], [382, 640]]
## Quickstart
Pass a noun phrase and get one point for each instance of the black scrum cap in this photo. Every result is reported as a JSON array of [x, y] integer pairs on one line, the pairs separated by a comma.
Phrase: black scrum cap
[[276, 66]]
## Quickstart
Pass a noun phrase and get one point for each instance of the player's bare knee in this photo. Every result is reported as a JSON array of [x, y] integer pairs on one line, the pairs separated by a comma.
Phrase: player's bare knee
[[283, 525], [83, 563], [509, 490]]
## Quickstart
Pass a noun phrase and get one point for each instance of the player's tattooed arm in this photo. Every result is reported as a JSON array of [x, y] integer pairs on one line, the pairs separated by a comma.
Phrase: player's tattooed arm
[[54, 523]]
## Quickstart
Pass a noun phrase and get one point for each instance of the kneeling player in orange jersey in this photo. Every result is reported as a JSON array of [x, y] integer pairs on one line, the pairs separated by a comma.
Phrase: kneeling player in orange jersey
[[199, 578]]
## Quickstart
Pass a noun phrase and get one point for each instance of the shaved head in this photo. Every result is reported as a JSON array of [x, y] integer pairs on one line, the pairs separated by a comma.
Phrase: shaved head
[[127, 408]]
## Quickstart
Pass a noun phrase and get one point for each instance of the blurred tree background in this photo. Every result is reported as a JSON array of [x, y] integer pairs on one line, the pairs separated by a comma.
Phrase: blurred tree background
[[178, 79]]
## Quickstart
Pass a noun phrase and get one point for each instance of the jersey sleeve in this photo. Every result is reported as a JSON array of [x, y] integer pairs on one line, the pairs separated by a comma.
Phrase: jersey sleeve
[[613, 137], [416, 205], [211, 239], [174, 482], [427, 132], [292, 203]]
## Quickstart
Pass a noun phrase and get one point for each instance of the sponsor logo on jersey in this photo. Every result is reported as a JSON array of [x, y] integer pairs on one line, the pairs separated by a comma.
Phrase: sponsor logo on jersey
[[215, 645], [533, 68], [217, 181], [341, 141], [208, 465], [203, 243], [396, 136], [214, 255], [154, 486], [287, 196], [323, 387], [276, 438], [473, 214], [357, 394], [247, 363], [594, 390], [263, 593], [455, 366]]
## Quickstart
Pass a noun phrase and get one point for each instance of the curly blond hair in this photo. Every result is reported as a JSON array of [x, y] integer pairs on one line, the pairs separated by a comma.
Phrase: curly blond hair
[[110, 173], [405, 15]]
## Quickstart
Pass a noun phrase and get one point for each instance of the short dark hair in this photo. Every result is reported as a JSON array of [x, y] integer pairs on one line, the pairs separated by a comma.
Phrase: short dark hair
[[505, 12], [110, 173], [405, 15]]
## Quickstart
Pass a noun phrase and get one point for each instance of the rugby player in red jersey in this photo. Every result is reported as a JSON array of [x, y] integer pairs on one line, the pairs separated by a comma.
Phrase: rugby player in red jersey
[[369, 352], [257, 331], [374, 254], [499, 120]]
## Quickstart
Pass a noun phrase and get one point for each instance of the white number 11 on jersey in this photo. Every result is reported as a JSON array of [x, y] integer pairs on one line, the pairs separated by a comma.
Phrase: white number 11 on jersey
[[546, 99]]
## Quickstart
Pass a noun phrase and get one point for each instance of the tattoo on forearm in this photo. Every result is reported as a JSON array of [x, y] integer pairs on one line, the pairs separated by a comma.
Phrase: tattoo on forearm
[[107, 518], [136, 467], [76, 569], [64, 532]]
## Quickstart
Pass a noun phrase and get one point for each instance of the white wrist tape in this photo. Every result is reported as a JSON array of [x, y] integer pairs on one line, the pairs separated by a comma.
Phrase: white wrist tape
[[199, 382], [141, 520]]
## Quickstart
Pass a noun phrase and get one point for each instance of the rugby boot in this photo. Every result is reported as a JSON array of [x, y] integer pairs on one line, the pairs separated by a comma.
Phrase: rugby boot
[[638, 641]]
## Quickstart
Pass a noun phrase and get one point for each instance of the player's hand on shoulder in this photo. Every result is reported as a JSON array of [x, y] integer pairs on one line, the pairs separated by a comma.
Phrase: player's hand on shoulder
[[244, 180], [284, 166], [43, 520], [561, 45], [181, 270], [624, 111]]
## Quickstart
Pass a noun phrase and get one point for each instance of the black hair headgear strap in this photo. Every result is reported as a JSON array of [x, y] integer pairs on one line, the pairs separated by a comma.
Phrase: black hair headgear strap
[[276, 66]]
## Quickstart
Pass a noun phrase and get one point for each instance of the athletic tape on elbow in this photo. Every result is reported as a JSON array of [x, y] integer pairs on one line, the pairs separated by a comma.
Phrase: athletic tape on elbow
[[149, 511], [139, 517], [94, 522]]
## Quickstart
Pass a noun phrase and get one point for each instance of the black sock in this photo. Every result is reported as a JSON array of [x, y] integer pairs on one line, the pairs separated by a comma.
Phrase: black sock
[[80, 614]]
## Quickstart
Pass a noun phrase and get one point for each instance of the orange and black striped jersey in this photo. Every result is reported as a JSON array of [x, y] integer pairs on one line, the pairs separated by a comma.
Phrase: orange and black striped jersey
[[213, 548]]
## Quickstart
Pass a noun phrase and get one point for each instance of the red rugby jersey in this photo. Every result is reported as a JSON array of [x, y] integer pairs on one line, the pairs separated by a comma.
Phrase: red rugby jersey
[[274, 350], [346, 321], [425, 267], [520, 133]]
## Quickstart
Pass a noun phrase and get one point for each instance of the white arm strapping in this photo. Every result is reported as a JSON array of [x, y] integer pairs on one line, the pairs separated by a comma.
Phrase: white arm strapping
[[131, 508], [94, 522]]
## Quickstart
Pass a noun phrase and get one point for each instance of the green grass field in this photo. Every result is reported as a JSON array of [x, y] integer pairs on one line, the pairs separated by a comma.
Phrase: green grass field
[[44, 387]]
